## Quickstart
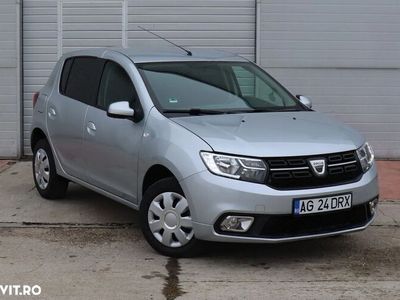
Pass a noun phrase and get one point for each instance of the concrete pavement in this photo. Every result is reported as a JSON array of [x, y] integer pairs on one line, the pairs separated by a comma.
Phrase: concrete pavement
[[88, 247]]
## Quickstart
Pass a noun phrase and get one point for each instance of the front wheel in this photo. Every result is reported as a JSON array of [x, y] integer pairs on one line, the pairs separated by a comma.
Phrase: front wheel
[[166, 220]]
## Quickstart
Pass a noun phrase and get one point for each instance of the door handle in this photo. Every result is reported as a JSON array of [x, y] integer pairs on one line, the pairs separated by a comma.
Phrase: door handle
[[52, 113], [91, 128]]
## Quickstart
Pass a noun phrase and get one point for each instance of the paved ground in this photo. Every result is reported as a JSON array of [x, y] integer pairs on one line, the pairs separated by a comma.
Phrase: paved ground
[[4, 164], [88, 247], [389, 179]]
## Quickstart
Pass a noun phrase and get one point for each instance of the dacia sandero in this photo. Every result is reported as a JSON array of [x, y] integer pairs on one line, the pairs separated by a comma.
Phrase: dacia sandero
[[205, 144]]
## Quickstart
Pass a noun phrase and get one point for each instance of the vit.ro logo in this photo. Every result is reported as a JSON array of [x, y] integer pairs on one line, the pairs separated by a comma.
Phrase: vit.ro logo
[[20, 290]]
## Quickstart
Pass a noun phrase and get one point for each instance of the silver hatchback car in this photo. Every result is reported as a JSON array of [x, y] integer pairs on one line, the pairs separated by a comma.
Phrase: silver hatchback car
[[206, 145]]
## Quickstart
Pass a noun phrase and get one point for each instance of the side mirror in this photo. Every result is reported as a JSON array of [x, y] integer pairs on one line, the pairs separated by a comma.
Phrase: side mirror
[[120, 110], [305, 101]]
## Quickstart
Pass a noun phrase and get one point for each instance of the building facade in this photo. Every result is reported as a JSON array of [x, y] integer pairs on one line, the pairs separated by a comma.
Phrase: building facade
[[343, 54]]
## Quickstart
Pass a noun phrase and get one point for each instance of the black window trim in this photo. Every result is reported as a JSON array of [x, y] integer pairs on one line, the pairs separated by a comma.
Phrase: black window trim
[[98, 87]]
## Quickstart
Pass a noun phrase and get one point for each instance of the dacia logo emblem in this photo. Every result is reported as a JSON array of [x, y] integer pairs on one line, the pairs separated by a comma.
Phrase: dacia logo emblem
[[318, 167]]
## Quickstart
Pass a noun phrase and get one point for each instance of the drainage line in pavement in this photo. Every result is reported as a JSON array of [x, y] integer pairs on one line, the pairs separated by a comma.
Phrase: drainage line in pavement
[[100, 225], [66, 225]]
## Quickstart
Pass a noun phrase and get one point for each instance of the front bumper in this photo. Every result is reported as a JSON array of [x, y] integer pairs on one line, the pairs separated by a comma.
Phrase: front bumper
[[212, 196]]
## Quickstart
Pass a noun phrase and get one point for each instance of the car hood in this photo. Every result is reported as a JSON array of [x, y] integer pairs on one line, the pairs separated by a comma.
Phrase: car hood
[[273, 133]]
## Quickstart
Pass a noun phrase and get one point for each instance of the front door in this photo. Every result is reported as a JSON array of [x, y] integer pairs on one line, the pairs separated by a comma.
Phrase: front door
[[111, 145]]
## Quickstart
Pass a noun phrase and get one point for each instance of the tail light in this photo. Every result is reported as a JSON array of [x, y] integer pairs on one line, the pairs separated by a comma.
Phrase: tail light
[[35, 98]]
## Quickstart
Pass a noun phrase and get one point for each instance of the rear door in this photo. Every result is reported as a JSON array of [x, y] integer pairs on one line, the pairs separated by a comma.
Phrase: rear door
[[66, 110], [112, 145]]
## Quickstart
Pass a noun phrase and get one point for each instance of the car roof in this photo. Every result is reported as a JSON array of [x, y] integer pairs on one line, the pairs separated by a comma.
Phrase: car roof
[[162, 54]]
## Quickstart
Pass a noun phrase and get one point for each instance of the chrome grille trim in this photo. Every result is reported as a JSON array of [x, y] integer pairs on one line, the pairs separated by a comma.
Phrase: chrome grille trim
[[290, 169], [343, 163]]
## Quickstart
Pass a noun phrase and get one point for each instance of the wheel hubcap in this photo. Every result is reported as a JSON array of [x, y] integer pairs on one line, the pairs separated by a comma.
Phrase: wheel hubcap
[[169, 219], [42, 169]]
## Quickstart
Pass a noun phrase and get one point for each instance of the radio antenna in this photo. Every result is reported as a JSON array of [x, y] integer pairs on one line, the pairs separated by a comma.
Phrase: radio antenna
[[188, 52]]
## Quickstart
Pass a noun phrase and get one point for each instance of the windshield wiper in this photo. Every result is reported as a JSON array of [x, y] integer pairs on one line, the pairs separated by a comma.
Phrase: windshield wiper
[[200, 111], [289, 109], [195, 111], [256, 110], [270, 110]]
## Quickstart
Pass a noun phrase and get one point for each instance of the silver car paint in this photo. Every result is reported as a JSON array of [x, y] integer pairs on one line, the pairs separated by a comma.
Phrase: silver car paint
[[161, 54], [111, 146], [168, 144], [65, 123], [261, 134], [229, 195], [175, 144]]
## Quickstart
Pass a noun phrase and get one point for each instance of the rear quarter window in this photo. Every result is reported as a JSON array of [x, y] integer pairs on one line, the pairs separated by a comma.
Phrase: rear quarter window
[[65, 74]]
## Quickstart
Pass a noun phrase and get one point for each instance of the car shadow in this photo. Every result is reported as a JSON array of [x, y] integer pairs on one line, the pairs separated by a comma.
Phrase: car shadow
[[306, 250], [329, 246]]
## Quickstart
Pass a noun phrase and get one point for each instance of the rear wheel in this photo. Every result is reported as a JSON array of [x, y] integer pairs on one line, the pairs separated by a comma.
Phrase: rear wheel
[[166, 220], [47, 182]]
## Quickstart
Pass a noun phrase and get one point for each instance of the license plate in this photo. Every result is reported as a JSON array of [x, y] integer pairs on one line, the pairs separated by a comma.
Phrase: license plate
[[322, 204]]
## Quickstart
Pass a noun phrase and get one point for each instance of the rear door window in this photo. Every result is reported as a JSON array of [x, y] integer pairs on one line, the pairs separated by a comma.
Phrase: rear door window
[[83, 79]]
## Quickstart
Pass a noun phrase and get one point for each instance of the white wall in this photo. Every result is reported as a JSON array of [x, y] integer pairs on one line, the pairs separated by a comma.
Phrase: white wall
[[345, 55], [52, 28], [9, 79]]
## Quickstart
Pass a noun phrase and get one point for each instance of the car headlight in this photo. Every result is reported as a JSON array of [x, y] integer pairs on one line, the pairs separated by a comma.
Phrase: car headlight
[[366, 156], [242, 168]]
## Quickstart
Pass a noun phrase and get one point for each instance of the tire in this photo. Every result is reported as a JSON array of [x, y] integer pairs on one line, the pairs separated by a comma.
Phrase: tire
[[47, 182], [166, 222]]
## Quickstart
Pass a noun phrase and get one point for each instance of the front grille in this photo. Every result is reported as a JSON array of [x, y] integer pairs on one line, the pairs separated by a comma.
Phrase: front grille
[[295, 172], [285, 226]]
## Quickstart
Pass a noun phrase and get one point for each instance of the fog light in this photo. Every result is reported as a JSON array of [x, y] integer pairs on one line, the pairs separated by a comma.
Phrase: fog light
[[236, 223], [373, 206]]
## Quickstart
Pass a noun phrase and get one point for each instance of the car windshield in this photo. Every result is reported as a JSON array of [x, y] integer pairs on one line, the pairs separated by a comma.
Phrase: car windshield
[[214, 87]]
